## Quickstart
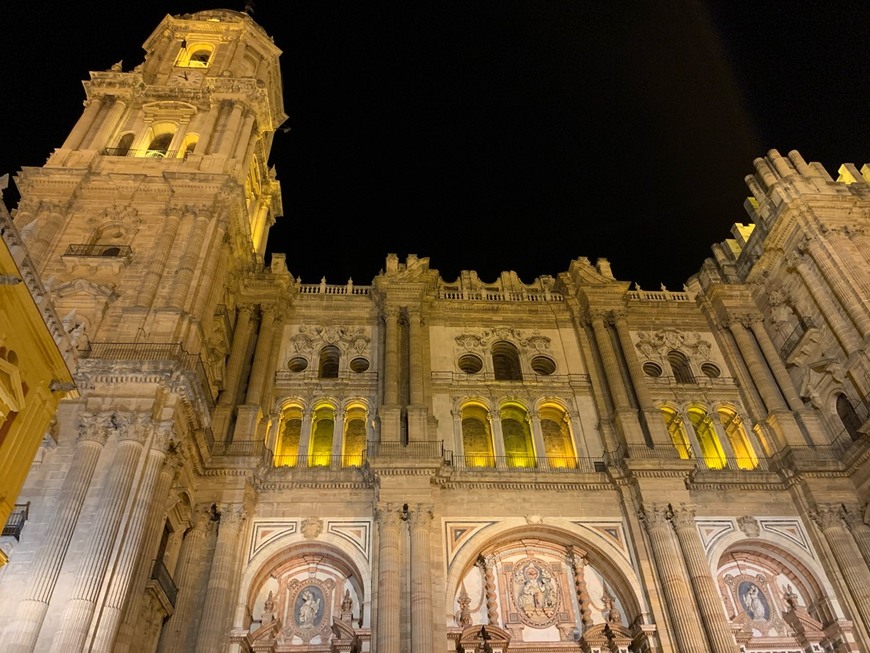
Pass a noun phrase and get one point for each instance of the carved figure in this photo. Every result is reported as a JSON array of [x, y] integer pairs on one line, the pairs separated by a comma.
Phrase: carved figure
[[308, 609]]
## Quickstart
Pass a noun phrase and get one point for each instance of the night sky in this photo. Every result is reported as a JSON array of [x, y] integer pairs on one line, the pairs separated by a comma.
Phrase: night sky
[[498, 135]]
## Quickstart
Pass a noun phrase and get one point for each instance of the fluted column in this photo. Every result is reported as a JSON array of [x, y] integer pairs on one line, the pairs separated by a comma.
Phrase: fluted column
[[712, 611], [157, 261], [76, 619], [679, 603], [241, 333], [244, 135], [181, 287], [853, 304], [214, 623], [415, 333], [844, 331], [775, 363], [391, 356], [84, 124], [109, 124], [145, 562], [860, 531], [131, 548], [757, 367], [419, 522], [388, 588], [261, 356], [22, 633], [651, 414], [538, 439], [849, 559], [611, 366], [175, 633], [231, 130]]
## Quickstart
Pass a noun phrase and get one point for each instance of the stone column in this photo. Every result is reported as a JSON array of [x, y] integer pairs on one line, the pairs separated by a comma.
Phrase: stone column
[[145, 563], [538, 439], [624, 413], [84, 124], [415, 333], [210, 130], [651, 414], [131, 548], [181, 287], [391, 356], [388, 589], [578, 563], [76, 620], [419, 522], [214, 624], [244, 136], [853, 304], [860, 531], [159, 256], [712, 611], [679, 602], [23, 631], [848, 557], [757, 367], [109, 124], [231, 130], [175, 632], [261, 356], [241, 333], [487, 568], [775, 363]]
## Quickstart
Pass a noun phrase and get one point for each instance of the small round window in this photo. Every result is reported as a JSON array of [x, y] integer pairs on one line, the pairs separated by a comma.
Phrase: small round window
[[297, 364], [543, 365], [470, 364], [359, 365], [711, 370], [652, 369]]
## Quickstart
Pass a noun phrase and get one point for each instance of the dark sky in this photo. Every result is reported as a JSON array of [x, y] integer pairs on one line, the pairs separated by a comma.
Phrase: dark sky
[[496, 135]]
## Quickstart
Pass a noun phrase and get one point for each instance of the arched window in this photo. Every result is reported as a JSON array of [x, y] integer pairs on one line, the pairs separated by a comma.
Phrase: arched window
[[506, 362], [556, 432], [194, 55], [289, 437], [680, 367], [476, 436], [677, 431], [189, 144], [354, 436], [518, 447], [322, 429], [124, 144], [328, 367], [849, 416], [159, 145], [739, 439], [711, 448]]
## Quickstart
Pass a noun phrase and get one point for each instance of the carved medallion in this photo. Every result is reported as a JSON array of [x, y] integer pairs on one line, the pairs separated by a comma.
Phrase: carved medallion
[[309, 609], [535, 592]]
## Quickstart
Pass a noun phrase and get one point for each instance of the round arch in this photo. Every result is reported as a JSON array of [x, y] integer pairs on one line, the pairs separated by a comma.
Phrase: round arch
[[601, 553]]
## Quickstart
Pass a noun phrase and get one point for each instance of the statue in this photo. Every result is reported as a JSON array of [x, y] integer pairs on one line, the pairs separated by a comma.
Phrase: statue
[[308, 609]]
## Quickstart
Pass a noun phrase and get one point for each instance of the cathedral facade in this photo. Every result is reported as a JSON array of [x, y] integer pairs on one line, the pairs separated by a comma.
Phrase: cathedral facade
[[251, 463]]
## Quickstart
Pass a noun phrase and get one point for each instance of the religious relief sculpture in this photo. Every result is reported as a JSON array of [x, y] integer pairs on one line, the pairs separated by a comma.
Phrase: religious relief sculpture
[[535, 592], [309, 608]]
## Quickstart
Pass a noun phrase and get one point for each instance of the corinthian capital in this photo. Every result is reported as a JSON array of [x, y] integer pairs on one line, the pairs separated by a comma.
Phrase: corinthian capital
[[655, 516], [389, 515], [683, 516], [828, 516], [420, 516]]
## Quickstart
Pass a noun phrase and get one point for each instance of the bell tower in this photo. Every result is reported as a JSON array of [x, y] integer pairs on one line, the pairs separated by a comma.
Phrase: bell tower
[[161, 194], [144, 226]]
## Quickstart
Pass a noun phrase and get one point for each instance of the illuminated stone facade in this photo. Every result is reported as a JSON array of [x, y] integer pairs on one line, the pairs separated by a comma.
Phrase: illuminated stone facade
[[421, 464], [35, 360]]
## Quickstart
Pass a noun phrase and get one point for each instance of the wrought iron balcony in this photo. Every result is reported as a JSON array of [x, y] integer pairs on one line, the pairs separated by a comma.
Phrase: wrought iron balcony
[[105, 250], [17, 518], [526, 463]]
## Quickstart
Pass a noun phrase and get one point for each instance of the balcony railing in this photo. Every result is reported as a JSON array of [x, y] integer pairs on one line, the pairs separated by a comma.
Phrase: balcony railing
[[17, 518], [106, 250], [526, 463], [322, 461], [406, 451], [145, 154]]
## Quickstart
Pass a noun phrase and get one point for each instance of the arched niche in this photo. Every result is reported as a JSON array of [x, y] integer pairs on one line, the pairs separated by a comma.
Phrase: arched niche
[[547, 582], [290, 564]]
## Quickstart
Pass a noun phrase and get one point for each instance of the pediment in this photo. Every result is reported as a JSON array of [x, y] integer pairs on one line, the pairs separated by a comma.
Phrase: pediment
[[84, 288]]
